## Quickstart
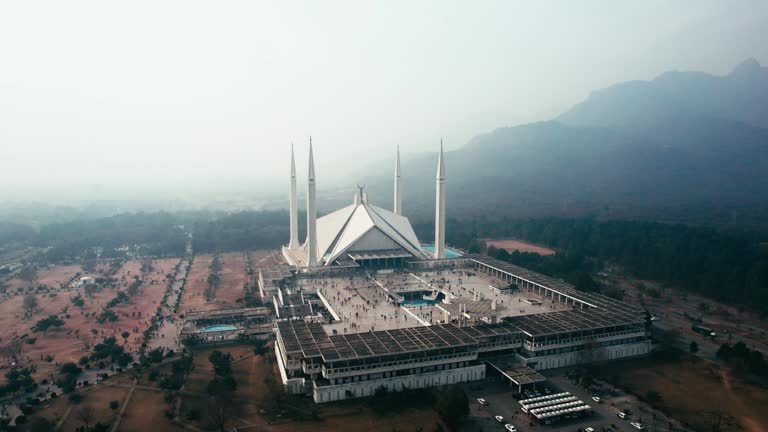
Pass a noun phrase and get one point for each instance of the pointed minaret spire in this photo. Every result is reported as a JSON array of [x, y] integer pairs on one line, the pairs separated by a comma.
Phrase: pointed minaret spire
[[440, 207], [440, 164], [311, 243], [311, 161], [294, 217], [398, 206]]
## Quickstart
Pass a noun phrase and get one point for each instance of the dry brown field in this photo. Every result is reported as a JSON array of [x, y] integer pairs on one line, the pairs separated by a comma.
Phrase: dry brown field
[[511, 245], [233, 279], [193, 295], [262, 258], [226, 295], [146, 412], [250, 370], [55, 278], [693, 391], [95, 397], [146, 409], [66, 343]]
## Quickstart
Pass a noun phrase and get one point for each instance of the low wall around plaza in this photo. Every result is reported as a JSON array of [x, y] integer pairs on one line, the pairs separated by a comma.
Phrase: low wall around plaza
[[330, 393]]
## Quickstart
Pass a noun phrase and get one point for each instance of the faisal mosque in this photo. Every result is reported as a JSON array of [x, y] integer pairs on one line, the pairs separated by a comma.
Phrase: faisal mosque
[[361, 234], [361, 305]]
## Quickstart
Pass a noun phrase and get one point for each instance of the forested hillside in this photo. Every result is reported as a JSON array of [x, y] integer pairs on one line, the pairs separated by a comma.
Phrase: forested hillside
[[247, 230], [729, 265], [686, 147]]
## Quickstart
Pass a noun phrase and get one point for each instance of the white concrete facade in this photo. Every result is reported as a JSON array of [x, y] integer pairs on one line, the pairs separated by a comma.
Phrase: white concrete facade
[[330, 393], [373, 231], [294, 209], [576, 357], [397, 208], [440, 207], [311, 243]]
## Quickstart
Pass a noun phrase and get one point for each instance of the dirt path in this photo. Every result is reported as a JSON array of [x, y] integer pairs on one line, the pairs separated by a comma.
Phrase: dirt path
[[120, 415], [749, 422], [63, 418]]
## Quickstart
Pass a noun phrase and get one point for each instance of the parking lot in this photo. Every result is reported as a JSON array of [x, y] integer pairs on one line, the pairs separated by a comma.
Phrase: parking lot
[[501, 401]]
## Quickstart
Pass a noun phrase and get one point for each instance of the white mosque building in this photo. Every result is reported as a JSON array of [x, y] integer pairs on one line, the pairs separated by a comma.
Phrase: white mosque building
[[324, 349], [361, 234]]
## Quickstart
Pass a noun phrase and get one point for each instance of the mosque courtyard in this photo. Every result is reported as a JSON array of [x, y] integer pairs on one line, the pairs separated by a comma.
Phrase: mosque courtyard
[[388, 300]]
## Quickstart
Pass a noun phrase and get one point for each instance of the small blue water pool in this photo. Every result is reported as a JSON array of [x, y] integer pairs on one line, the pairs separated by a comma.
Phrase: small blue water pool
[[218, 328], [448, 253], [418, 302]]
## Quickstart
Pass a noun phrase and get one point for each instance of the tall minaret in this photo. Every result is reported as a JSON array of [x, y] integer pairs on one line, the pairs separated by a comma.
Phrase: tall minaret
[[294, 243], [311, 212], [440, 207], [398, 207]]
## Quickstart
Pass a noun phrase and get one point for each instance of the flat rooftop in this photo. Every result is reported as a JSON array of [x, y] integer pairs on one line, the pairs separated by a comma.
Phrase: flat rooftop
[[226, 312], [311, 339], [371, 324], [570, 321], [518, 373], [276, 272]]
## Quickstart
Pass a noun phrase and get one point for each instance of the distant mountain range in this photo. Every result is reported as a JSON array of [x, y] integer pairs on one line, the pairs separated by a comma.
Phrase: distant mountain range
[[686, 146]]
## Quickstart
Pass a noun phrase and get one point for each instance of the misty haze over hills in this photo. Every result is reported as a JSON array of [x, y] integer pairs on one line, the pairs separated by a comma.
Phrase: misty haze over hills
[[647, 149], [686, 146]]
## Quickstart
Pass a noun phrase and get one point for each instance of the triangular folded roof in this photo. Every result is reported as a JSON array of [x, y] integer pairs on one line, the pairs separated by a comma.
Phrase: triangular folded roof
[[362, 226]]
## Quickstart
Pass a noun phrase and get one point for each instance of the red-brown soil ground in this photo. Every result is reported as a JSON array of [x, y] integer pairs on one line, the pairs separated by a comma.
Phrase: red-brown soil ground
[[67, 343], [694, 390], [146, 412], [55, 278], [263, 258], [233, 279], [95, 397], [193, 296], [252, 394], [226, 295], [147, 408]]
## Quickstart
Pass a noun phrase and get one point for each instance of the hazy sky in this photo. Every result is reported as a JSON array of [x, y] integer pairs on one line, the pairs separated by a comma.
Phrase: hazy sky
[[136, 92]]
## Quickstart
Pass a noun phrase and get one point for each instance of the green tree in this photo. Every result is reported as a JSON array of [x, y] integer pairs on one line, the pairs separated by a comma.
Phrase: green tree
[[36, 424], [46, 323], [28, 274], [87, 415], [30, 303], [191, 340], [221, 362], [653, 397], [693, 348], [453, 406]]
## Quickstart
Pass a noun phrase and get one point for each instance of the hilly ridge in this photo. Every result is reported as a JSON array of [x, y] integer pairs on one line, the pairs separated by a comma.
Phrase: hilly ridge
[[686, 146]]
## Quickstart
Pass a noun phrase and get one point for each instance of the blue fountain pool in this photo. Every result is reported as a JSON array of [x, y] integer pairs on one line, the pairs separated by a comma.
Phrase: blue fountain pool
[[218, 328], [448, 253], [418, 302]]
